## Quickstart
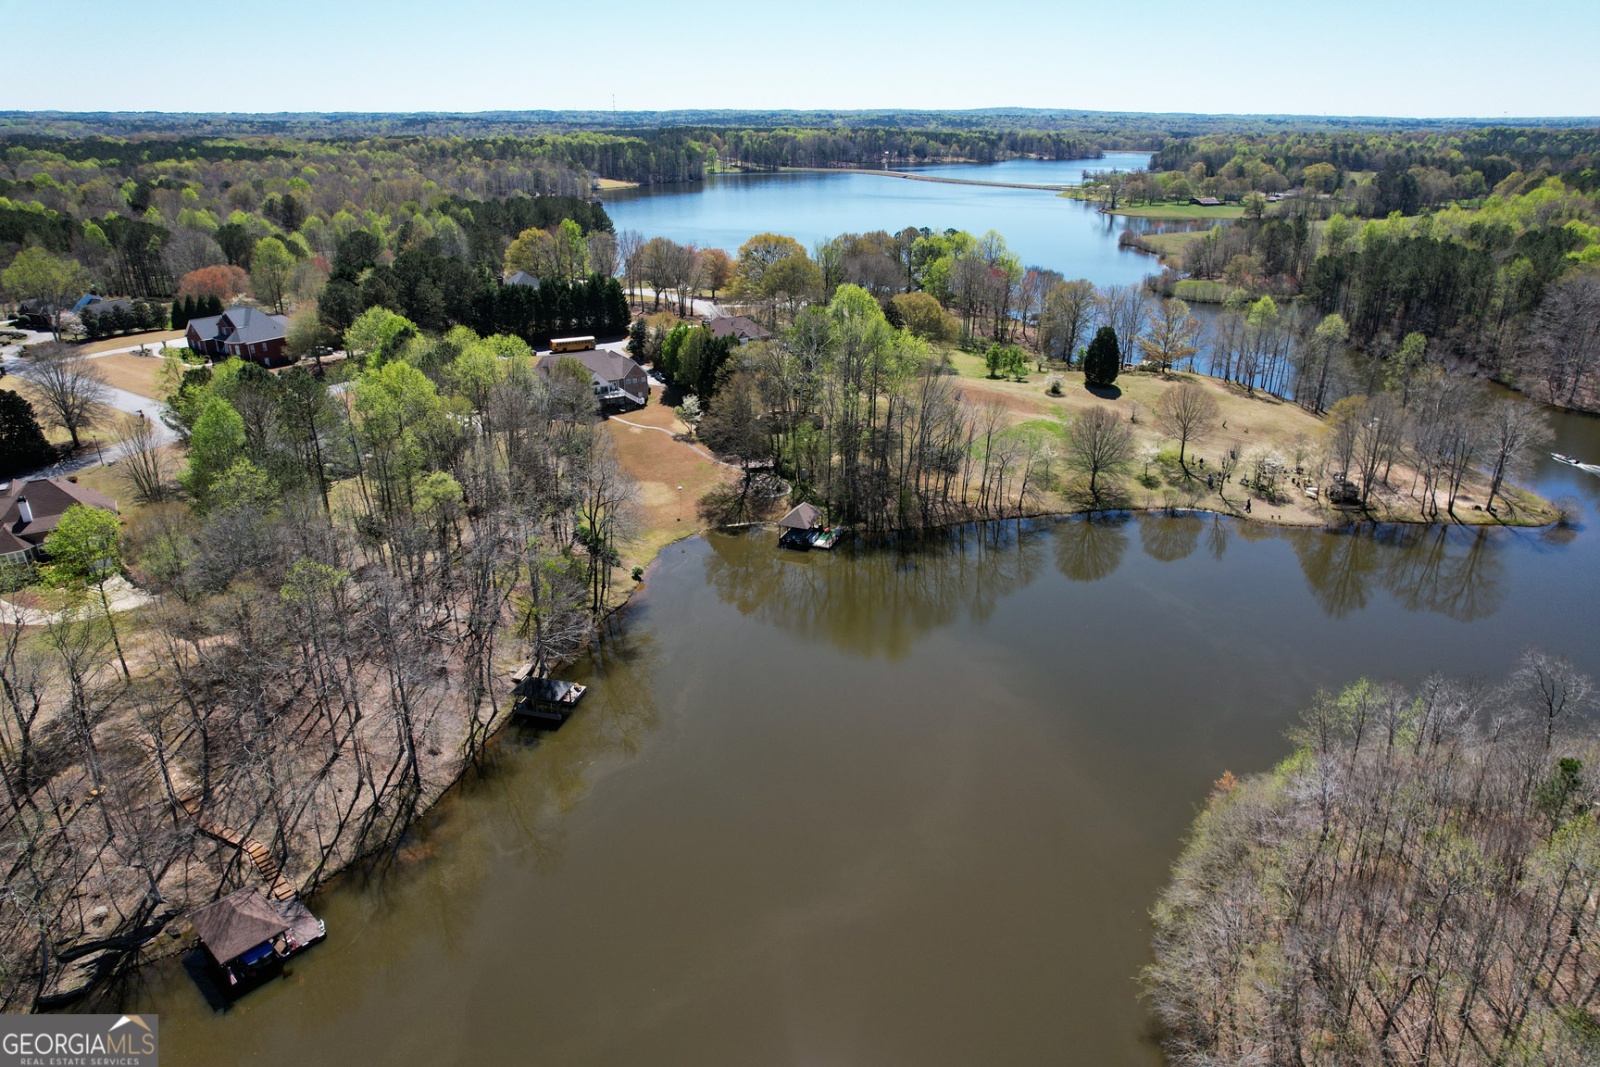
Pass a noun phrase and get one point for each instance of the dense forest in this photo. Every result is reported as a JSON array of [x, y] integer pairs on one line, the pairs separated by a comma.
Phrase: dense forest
[[1133, 129], [1416, 884], [1481, 239]]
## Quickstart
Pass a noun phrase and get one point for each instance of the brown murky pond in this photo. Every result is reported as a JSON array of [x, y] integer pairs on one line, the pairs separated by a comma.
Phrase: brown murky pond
[[905, 806]]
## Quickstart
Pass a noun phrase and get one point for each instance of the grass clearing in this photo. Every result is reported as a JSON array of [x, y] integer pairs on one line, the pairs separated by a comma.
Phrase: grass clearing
[[1180, 212], [672, 477], [134, 374], [131, 340], [1199, 291], [1169, 246]]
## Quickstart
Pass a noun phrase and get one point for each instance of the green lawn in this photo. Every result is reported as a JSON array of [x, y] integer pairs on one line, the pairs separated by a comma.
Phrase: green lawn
[[1178, 212], [1196, 291], [1169, 246]]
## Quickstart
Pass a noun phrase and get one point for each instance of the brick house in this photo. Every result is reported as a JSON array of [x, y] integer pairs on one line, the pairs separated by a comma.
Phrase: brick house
[[243, 332]]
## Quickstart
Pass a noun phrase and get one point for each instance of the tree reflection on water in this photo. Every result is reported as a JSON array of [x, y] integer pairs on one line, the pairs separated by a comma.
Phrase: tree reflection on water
[[1450, 571], [876, 600], [1091, 547], [879, 599]]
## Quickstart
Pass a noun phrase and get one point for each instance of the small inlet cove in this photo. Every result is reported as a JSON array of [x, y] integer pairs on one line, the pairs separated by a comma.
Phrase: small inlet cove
[[898, 803]]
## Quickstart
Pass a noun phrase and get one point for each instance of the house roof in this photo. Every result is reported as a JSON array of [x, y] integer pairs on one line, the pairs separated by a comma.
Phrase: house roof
[[237, 923], [49, 499], [98, 304], [601, 362], [249, 326], [10, 542], [253, 327], [548, 690], [738, 326], [802, 517], [522, 277]]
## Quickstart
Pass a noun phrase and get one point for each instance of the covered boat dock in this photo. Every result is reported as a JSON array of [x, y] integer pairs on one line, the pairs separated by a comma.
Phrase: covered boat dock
[[547, 701], [805, 527], [248, 935]]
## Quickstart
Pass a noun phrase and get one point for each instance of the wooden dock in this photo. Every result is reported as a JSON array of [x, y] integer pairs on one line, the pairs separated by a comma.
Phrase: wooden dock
[[279, 888], [547, 700]]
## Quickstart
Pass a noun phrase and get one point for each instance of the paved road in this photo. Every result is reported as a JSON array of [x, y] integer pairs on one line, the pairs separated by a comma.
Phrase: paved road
[[669, 302], [120, 399], [157, 348]]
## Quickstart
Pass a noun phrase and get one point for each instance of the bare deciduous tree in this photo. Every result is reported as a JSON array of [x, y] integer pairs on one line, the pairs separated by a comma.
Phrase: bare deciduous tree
[[1099, 443], [1513, 430], [70, 387], [146, 467], [1068, 313], [1187, 412], [1172, 334]]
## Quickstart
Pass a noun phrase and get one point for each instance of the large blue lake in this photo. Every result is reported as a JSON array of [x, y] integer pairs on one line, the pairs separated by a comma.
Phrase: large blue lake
[[1037, 171], [1044, 229]]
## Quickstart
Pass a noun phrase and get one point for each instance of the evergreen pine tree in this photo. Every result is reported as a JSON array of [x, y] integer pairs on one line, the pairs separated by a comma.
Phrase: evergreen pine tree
[[179, 319], [23, 447], [616, 307], [1102, 360], [638, 339]]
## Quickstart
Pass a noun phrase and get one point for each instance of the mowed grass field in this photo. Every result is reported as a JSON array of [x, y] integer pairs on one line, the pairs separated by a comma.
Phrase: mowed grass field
[[672, 476], [1170, 246], [1180, 212], [135, 374], [112, 344]]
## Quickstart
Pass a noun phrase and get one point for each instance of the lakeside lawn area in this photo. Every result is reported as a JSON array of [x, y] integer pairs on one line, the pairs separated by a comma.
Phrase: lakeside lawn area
[[660, 464], [1172, 212], [1169, 246], [1248, 420], [1179, 212], [1201, 291], [671, 475]]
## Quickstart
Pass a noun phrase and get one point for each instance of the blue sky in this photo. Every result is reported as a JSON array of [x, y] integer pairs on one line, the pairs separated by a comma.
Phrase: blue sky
[[1353, 57]]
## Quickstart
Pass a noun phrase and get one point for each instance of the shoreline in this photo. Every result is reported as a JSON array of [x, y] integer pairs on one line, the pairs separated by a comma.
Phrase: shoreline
[[175, 940], [669, 528], [912, 176]]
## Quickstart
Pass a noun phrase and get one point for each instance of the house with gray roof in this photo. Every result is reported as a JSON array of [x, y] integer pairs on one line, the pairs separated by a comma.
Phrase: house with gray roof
[[618, 380], [243, 332], [739, 327]]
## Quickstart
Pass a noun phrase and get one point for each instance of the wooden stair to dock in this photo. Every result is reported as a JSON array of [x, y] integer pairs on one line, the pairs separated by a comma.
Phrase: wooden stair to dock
[[278, 887]]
